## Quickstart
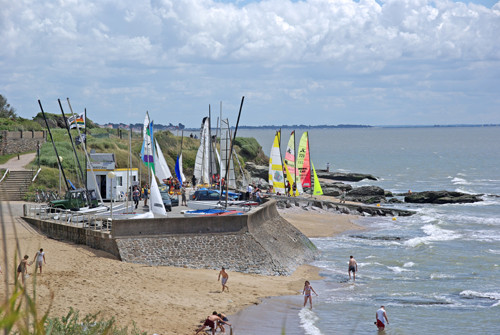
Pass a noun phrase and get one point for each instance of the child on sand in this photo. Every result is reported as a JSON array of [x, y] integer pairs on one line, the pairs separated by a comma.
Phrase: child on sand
[[307, 293], [22, 268]]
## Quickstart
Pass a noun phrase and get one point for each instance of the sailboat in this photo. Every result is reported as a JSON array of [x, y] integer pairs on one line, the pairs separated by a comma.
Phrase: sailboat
[[290, 166], [226, 155], [305, 166], [161, 168], [178, 165], [204, 163], [276, 179], [156, 207], [147, 149]]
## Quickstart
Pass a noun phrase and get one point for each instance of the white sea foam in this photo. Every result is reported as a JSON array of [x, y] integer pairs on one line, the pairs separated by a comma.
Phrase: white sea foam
[[493, 251], [460, 181], [307, 320], [434, 233], [397, 269], [408, 265], [484, 295], [441, 276]]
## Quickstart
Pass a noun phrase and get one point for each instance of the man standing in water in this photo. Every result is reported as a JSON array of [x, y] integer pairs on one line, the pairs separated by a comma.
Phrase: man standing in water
[[353, 266], [225, 277], [381, 317]]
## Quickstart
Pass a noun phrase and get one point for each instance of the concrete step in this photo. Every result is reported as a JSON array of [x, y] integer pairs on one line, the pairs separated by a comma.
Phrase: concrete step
[[15, 185]]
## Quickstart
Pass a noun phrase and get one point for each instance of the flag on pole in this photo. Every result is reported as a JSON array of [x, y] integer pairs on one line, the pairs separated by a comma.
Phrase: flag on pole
[[75, 119]]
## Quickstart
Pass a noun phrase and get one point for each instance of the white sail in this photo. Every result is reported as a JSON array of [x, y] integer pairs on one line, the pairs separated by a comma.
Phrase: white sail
[[162, 171], [156, 203], [201, 166], [181, 171], [225, 148], [276, 178]]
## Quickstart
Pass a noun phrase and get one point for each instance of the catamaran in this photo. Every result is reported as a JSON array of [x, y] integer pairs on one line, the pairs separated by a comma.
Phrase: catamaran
[[276, 178], [305, 166], [291, 167]]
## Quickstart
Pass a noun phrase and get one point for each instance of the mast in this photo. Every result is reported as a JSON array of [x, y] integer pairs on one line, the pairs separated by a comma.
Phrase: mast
[[86, 152], [84, 140], [53, 144], [71, 140], [210, 172], [232, 143]]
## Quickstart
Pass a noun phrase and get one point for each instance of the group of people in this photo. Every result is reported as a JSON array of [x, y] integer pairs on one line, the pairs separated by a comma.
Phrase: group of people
[[253, 193], [214, 321], [22, 268], [380, 315], [217, 320]]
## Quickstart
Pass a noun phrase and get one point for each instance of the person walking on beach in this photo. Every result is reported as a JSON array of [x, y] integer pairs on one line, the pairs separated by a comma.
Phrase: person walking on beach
[[353, 267], [39, 260], [307, 292], [211, 321], [381, 317], [225, 277], [22, 268], [136, 195], [183, 196]]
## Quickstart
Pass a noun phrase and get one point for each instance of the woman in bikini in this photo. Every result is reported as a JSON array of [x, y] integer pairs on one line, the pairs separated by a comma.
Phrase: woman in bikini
[[307, 293]]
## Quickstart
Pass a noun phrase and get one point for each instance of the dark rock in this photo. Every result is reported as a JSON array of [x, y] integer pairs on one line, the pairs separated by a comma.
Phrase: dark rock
[[367, 195], [335, 189], [344, 176], [441, 197], [259, 171], [395, 201]]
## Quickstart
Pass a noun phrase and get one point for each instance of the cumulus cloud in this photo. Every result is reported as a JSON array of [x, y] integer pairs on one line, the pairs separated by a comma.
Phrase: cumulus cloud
[[141, 52]]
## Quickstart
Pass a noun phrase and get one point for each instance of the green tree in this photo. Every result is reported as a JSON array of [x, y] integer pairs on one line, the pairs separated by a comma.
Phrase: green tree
[[6, 111]]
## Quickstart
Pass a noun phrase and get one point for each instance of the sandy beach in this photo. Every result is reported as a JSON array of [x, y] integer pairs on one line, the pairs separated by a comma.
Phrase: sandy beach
[[161, 300]]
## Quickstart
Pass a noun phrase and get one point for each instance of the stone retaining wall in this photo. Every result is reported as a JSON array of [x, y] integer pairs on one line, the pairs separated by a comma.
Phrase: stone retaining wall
[[13, 142], [91, 238], [260, 241]]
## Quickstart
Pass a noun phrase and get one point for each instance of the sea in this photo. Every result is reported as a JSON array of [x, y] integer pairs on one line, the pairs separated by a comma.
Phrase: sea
[[436, 272]]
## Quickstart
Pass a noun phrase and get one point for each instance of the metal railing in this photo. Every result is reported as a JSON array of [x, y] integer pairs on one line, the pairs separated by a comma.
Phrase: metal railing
[[4, 175], [92, 221]]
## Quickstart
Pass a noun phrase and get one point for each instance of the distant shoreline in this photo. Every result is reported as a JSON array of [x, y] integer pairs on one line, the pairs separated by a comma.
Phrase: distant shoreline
[[342, 126]]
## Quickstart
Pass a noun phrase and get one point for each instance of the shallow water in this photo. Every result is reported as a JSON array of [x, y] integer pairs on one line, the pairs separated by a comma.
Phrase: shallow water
[[437, 271]]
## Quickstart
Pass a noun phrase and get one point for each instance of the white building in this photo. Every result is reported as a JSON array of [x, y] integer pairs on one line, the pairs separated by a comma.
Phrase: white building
[[102, 164]]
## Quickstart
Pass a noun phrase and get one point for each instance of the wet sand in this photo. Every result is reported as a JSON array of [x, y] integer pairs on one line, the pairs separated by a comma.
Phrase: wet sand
[[161, 300]]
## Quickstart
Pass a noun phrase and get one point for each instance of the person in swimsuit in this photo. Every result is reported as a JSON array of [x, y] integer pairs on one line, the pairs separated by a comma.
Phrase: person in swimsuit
[[353, 267], [225, 277], [381, 317], [22, 268], [211, 321], [307, 293], [40, 260]]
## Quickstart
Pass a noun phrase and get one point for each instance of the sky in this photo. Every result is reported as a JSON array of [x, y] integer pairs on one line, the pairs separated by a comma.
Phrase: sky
[[312, 62]]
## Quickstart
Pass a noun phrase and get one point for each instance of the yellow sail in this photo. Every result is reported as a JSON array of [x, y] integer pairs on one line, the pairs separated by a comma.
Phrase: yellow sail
[[276, 179], [317, 187]]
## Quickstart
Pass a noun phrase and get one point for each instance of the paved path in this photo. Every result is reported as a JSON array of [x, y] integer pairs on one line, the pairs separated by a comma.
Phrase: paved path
[[15, 164]]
